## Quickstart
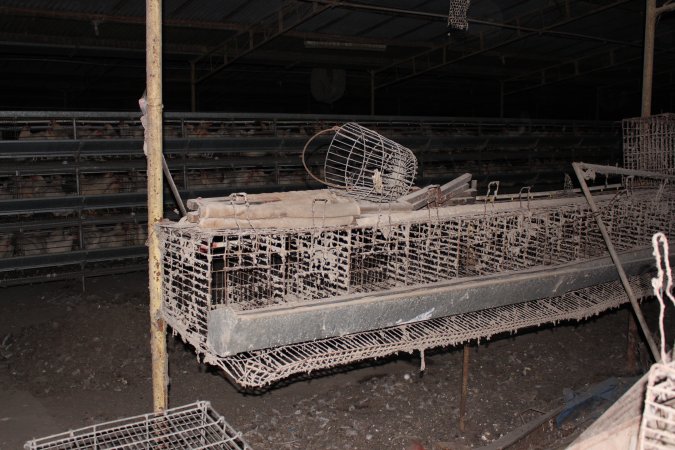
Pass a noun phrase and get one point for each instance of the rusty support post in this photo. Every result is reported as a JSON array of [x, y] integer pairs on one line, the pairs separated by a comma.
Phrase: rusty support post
[[193, 87], [615, 257], [648, 61], [153, 139], [632, 346], [372, 93], [465, 387]]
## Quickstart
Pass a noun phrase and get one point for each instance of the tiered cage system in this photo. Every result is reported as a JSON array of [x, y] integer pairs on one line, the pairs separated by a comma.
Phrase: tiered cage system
[[72, 185]]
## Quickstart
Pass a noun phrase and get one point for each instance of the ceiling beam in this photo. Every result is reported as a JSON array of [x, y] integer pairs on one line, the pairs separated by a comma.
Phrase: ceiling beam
[[604, 59], [485, 42], [291, 14], [40, 41], [131, 20], [515, 26]]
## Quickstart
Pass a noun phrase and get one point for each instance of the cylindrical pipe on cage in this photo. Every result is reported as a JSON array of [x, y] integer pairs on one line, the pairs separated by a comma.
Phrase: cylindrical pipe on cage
[[153, 139], [648, 58], [617, 262]]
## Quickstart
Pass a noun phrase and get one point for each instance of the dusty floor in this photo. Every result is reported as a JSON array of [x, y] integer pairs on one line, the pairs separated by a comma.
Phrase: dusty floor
[[70, 359]]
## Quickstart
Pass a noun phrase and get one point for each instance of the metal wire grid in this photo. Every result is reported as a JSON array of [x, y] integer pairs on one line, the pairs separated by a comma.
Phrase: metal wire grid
[[194, 426], [649, 143], [658, 420], [253, 269], [367, 165], [260, 368], [457, 14]]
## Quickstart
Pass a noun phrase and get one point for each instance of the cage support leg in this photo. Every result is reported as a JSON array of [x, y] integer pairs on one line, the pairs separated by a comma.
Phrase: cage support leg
[[578, 170], [153, 140], [632, 345], [465, 387]]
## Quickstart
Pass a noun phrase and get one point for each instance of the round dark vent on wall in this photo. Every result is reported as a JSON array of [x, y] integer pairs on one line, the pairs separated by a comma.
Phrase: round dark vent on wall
[[328, 85]]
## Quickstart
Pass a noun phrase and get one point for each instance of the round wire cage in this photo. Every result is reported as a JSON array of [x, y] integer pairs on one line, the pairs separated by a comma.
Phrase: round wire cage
[[366, 165]]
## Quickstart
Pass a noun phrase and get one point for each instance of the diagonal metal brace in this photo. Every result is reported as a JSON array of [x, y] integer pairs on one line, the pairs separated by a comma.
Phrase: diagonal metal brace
[[579, 167]]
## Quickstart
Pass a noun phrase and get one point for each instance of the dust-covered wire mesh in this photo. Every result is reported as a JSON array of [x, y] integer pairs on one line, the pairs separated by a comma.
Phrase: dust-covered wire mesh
[[253, 270], [194, 426], [457, 14], [366, 165], [260, 368], [649, 143]]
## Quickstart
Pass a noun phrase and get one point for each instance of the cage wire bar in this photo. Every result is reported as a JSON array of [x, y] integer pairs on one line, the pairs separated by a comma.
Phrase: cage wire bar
[[194, 426]]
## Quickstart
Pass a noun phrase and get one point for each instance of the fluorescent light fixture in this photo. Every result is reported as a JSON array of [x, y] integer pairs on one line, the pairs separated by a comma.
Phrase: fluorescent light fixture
[[338, 45]]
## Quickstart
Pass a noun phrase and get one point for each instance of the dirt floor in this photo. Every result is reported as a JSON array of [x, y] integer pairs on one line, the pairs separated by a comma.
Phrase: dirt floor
[[69, 359]]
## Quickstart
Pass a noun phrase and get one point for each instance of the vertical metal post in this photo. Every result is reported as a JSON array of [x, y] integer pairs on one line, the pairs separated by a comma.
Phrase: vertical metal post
[[648, 58], [465, 387], [372, 92], [155, 200], [193, 87]]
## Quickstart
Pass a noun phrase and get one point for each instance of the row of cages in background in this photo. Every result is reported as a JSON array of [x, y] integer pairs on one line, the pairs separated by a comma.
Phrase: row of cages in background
[[85, 125], [73, 185]]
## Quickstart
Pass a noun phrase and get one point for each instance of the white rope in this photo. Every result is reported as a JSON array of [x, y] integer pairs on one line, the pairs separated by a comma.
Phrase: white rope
[[659, 240]]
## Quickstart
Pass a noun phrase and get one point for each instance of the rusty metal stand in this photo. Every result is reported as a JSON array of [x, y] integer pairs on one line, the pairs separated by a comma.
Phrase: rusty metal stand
[[465, 387]]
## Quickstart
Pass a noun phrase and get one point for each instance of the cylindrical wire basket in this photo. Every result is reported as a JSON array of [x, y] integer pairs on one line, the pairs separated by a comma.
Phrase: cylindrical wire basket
[[366, 165]]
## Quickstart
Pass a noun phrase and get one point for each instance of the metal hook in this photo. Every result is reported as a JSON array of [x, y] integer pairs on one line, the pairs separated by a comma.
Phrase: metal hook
[[527, 189], [325, 203]]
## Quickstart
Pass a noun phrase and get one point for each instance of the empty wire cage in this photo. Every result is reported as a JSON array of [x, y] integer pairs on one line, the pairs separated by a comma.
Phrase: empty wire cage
[[194, 426], [366, 165]]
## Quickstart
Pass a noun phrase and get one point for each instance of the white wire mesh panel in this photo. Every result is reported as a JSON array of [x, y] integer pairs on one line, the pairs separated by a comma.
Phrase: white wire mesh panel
[[649, 143], [367, 165], [194, 426]]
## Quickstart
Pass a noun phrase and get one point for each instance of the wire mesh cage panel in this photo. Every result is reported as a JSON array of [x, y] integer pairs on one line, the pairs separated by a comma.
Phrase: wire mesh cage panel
[[194, 426], [649, 143], [257, 270], [367, 165]]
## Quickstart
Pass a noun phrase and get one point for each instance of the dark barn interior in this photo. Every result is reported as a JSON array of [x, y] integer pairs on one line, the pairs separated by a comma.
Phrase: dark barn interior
[[515, 94]]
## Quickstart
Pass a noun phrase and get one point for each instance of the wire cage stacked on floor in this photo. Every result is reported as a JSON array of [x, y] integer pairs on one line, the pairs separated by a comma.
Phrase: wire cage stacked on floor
[[194, 426]]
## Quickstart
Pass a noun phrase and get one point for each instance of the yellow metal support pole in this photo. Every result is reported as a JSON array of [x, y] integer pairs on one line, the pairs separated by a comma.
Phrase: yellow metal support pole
[[155, 201]]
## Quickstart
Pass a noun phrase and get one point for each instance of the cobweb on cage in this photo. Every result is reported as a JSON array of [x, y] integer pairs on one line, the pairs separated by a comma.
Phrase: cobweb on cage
[[457, 15], [657, 430], [260, 368]]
